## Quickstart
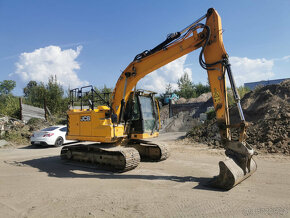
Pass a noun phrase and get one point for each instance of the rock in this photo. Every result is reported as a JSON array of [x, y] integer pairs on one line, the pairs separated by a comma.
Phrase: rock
[[270, 144], [3, 143]]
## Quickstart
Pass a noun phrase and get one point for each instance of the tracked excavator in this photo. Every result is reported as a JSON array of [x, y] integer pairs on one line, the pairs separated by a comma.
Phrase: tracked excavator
[[122, 128]]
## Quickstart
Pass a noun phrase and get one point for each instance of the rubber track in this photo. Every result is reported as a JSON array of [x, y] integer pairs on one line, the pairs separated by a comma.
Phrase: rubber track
[[164, 151], [131, 156]]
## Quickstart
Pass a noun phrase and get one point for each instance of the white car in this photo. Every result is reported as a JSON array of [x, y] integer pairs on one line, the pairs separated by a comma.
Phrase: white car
[[53, 135]]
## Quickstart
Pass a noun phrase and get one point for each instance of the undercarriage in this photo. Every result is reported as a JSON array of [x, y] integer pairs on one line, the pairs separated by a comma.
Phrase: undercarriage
[[114, 157]]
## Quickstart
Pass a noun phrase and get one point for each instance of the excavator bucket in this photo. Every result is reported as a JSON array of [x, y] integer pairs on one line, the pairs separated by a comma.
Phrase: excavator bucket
[[231, 174], [237, 167]]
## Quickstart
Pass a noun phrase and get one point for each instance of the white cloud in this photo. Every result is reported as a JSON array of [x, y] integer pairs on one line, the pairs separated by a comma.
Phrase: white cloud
[[286, 58], [170, 73], [251, 70], [51, 60], [243, 68]]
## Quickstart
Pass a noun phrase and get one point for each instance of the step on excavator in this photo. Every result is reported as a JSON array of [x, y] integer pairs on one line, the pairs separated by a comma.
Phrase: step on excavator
[[123, 125]]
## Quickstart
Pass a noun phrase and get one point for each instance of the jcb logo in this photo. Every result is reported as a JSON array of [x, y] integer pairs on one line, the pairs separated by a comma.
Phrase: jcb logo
[[85, 118]]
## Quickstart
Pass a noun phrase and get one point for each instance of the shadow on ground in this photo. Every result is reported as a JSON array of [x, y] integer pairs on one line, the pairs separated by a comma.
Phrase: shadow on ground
[[36, 147], [43, 146], [55, 167]]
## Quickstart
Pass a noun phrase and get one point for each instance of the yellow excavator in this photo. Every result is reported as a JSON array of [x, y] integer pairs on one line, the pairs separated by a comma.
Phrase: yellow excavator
[[123, 126]]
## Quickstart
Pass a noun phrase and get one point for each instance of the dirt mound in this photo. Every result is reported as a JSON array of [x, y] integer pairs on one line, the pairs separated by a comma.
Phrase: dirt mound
[[181, 101], [268, 102], [164, 112], [184, 119], [267, 109], [18, 132], [202, 98], [182, 122]]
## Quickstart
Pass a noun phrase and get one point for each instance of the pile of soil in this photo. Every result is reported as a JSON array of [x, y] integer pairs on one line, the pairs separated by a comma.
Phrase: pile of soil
[[18, 132], [267, 109], [202, 98], [184, 120], [164, 113]]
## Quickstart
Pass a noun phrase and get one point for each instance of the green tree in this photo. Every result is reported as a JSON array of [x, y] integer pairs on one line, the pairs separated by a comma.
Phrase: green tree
[[168, 89], [54, 96], [185, 86], [9, 105], [53, 93], [107, 93], [34, 94], [242, 90], [6, 86], [29, 87], [200, 89]]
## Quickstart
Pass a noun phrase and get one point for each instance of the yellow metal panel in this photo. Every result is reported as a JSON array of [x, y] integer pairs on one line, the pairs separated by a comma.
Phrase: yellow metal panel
[[93, 126], [144, 135], [86, 124], [73, 124]]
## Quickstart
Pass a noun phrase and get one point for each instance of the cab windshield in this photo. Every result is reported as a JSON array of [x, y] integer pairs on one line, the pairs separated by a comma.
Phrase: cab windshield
[[147, 109]]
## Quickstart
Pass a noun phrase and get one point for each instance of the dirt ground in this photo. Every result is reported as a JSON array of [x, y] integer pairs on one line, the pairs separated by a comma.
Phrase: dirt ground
[[35, 183]]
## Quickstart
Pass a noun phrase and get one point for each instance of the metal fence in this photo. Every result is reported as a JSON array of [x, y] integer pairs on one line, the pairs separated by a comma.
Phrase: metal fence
[[27, 112], [198, 107]]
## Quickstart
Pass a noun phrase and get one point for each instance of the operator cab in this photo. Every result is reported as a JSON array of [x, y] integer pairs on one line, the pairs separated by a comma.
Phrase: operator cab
[[142, 114]]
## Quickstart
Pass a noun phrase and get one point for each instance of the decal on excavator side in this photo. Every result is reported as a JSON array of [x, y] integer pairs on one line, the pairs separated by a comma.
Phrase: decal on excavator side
[[85, 118], [216, 97]]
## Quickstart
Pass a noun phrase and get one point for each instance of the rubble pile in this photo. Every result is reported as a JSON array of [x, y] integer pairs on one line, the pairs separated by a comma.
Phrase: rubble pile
[[18, 132], [181, 122], [206, 133], [267, 110], [184, 120], [202, 98], [164, 113]]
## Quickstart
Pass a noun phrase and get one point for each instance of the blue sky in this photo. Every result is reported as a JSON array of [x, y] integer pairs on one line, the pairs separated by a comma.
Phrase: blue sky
[[91, 42]]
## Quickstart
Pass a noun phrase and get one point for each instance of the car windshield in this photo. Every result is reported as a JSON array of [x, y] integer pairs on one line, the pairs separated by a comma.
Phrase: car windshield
[[64, 129], [50, 128]]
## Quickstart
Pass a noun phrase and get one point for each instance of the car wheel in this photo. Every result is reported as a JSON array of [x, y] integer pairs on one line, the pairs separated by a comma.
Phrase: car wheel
[[58, 142]]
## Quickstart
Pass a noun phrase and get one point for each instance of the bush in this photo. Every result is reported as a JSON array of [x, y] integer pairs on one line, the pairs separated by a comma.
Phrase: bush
[[9, 106], [34, 121], [210, 114], [242, 90]]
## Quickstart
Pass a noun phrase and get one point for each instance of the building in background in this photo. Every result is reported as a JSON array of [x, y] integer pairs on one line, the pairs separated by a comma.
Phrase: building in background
[[253, 85]]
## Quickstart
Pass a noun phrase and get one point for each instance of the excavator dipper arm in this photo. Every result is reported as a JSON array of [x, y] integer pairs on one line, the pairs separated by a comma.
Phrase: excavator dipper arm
[[239, 164]]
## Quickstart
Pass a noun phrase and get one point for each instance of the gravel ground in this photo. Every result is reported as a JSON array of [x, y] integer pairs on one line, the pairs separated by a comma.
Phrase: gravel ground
[[35, 183]]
